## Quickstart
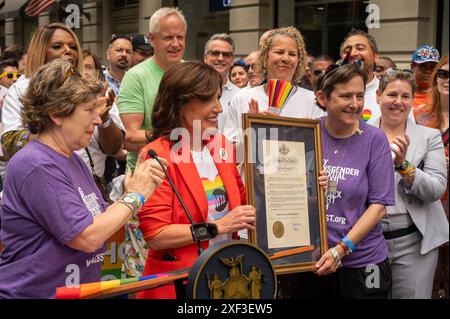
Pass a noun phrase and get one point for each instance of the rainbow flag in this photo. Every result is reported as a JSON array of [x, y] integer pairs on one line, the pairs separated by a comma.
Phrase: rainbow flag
[[96, 288], [280, 91]]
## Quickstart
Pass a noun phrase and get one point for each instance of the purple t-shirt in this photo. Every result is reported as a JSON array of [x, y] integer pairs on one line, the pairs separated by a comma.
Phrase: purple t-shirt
[[362, 167], [48, 200]]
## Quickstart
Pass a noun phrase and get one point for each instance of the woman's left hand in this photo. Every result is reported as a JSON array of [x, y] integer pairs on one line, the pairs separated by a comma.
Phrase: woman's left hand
[[402, 143], [323, 180]]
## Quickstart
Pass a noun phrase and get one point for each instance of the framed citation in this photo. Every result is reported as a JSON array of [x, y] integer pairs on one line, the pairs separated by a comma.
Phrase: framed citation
[[283, 159]]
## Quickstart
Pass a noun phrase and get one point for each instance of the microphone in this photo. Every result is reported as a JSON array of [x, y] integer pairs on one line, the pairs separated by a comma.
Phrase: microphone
[[200, 231]]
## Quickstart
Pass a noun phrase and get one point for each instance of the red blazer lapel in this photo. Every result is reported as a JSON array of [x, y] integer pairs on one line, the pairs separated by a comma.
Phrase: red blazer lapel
[[188, 171]]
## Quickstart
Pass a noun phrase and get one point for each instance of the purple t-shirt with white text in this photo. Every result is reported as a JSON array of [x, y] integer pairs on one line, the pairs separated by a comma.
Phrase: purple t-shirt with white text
[[48, 200], [362, 167]]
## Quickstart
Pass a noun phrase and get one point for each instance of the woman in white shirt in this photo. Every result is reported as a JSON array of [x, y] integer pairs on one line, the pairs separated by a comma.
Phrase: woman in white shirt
[[282, 58]]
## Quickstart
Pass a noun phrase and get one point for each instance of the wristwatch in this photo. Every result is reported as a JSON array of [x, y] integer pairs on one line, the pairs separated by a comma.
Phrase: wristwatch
[[132, 202], [402, 166], [203, 231]]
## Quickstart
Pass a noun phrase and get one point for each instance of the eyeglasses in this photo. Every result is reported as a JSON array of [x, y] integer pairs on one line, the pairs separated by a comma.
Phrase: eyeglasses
[[71, 71], [394, 72], [10, 75], [225, 54], [442, 74]]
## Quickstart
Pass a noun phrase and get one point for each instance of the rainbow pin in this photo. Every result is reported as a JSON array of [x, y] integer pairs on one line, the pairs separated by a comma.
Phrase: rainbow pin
[[280, 91], [366, 115]]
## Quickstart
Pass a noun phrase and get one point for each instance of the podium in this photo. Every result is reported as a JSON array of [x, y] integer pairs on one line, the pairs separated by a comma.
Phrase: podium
[[226, 270]]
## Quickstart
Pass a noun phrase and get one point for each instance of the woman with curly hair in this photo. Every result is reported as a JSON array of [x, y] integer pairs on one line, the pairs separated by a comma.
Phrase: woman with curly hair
[[282, 57]]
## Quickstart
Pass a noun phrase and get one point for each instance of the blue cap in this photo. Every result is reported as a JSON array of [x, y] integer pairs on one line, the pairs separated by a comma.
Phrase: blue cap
[[426, 53], [241, 63]]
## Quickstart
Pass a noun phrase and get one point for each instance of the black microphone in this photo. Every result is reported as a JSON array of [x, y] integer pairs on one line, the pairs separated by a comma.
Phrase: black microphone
[[200, 231]]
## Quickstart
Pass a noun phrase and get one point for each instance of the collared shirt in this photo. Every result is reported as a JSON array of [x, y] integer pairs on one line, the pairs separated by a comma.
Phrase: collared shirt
[[228, 91], [112, 82]]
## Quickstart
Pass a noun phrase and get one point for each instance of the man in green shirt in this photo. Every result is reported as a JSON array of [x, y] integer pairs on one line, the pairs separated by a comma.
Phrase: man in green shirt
[[140, 85]]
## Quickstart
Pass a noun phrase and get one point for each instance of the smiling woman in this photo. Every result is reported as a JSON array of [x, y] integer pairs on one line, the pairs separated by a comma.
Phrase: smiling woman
[[282, 57], [416, 226], [355, 201], [202, 168]]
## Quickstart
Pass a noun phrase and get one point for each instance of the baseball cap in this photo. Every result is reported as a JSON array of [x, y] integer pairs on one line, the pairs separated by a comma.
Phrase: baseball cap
[[426, 53], [140, 41]]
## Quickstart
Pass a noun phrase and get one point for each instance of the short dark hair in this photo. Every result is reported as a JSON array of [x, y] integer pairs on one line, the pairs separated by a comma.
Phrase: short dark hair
[[327, 82], [14, 51], [8, 62], [190, 80], [97, 63], [372, 42]]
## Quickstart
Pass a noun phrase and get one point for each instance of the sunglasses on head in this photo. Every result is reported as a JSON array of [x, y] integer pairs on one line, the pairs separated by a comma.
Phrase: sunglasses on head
[[393, 72], [115, 37], [442, 74], [317, 72], [225, 54], [11, 75]]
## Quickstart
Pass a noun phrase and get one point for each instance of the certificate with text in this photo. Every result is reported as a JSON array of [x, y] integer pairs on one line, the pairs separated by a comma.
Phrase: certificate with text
[[286, 194]]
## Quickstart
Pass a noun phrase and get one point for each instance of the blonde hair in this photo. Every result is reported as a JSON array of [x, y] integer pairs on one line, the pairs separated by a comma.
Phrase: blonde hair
[[41, 41], [292, 32], [56, 89]]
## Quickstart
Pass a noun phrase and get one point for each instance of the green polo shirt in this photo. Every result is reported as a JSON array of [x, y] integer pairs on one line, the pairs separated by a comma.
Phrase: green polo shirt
[[137, 94]]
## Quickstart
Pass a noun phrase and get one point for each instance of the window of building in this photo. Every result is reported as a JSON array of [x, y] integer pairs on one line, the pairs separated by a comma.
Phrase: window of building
[[324, 24], [204, 18], [123, 3]]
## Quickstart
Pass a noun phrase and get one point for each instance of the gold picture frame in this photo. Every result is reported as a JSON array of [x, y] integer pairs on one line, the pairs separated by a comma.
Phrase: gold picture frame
[[283, 158]]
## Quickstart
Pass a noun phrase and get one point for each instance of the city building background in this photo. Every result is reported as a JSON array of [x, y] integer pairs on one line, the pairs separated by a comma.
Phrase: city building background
[[404, 25]]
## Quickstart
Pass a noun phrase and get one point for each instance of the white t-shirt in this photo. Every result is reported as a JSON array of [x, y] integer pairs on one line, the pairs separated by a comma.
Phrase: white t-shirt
[[229, 90], [301, 105], [216, 194], [372, 110], [13, 122]]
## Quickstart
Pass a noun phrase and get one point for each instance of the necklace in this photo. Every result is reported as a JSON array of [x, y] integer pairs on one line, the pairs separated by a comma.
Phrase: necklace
[[332, 183]]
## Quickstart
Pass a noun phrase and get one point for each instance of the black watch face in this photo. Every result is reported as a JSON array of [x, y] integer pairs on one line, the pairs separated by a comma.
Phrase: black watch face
[[202, 231]]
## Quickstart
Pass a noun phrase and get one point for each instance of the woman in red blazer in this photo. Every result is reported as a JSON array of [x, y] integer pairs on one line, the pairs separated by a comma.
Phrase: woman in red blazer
[[202, 167]]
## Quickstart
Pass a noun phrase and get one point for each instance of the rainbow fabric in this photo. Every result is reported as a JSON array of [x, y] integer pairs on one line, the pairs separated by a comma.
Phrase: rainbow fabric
[[280, 91], [366, 115], [89, 289], [216, 196]]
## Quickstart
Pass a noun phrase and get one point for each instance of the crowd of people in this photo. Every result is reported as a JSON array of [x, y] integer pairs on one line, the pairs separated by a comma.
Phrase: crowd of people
[[84, 150]]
